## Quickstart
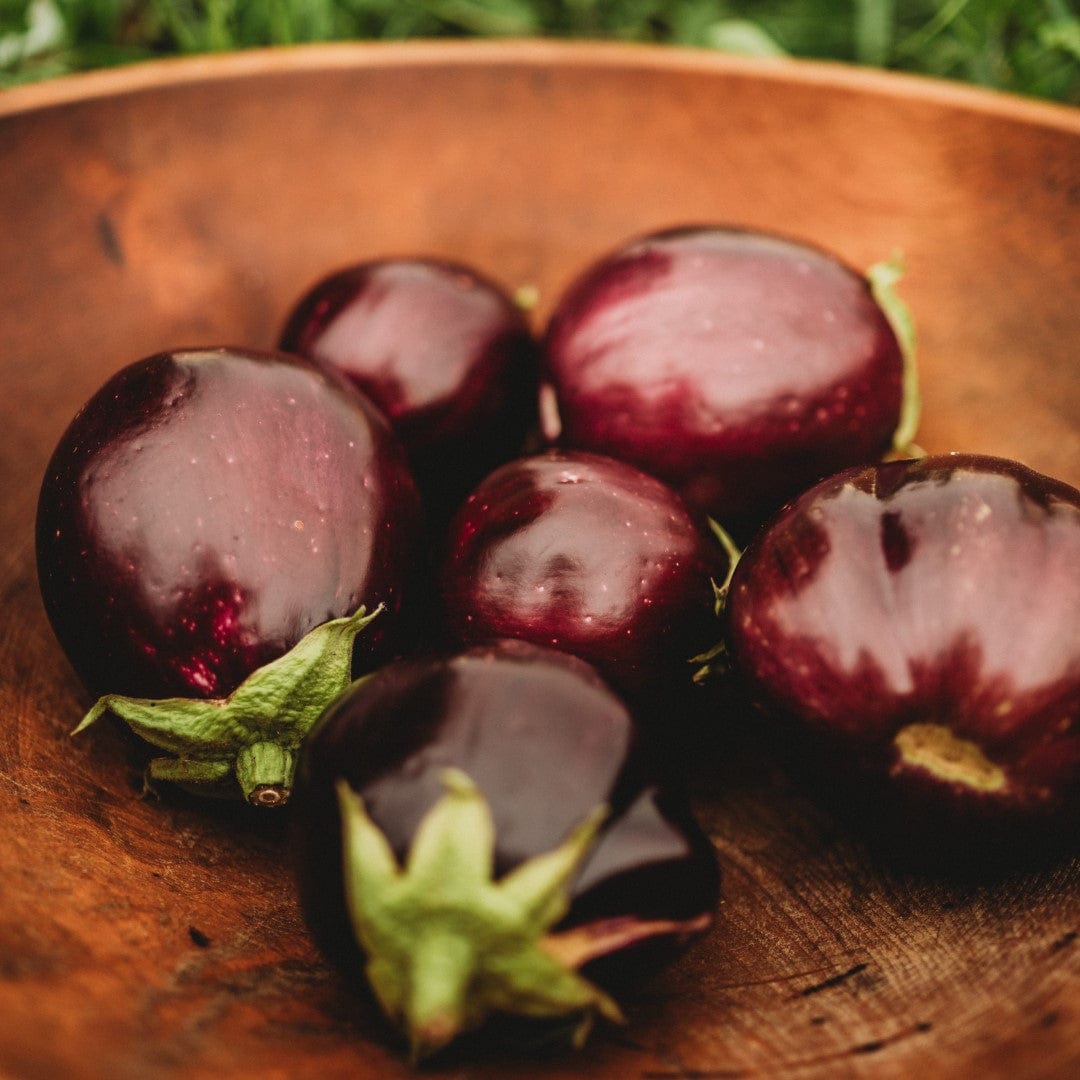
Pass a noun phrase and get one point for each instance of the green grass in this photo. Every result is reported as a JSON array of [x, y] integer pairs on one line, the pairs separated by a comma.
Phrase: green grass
[[1029, 47]]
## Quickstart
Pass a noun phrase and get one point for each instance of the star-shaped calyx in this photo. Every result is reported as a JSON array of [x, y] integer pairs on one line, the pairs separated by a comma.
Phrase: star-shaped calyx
[[446, 944], [254, 733]]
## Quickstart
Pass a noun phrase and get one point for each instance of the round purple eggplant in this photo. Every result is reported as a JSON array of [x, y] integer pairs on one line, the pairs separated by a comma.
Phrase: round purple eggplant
[[589, 555], [472, 830], [214, 530], [920, 622], [445, 353], [739, 367]]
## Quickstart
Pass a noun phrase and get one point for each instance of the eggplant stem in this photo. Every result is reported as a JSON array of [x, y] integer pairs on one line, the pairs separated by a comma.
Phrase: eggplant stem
[[937, 750], [265, 773]]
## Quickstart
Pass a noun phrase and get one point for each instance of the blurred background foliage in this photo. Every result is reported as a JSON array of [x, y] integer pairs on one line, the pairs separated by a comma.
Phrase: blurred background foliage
[[1029, 47]]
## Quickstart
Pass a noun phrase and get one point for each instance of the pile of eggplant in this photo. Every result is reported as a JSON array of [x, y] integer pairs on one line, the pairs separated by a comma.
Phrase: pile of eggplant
[[453, 590]]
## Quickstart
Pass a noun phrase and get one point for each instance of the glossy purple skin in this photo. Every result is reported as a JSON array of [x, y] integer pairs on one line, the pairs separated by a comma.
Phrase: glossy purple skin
[[207, 508], [441, 349], [544, 739], [587, 554], [943, 591], [736, 366]]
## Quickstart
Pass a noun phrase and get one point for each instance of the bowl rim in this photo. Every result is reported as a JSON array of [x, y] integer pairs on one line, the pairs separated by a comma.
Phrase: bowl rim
[[172, 71]]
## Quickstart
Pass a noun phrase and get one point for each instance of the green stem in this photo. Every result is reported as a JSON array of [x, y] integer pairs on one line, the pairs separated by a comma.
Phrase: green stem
[[265, 773]]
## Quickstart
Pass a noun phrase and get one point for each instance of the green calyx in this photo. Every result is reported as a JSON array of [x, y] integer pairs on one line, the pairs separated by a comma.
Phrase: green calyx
[[882, 278], [254, 734], [714, 661], [446, 944]]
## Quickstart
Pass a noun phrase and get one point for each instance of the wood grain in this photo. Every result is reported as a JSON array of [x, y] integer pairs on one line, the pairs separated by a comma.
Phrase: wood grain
[[191, 202]]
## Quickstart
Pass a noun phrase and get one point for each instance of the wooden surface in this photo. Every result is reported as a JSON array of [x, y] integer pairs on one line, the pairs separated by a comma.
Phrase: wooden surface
[[189, 203]]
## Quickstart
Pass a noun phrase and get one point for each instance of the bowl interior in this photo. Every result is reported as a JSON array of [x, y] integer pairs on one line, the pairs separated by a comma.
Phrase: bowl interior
[[190, 203]]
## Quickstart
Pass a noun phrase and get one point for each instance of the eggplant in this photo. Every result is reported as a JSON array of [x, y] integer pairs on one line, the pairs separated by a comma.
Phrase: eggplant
[[473, 829], [589, 555], [737, 366], [918, 624], [215, 529], [442, 349]]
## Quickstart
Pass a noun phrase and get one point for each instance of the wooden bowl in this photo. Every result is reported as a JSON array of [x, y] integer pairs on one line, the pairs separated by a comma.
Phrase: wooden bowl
[[190, 202]]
